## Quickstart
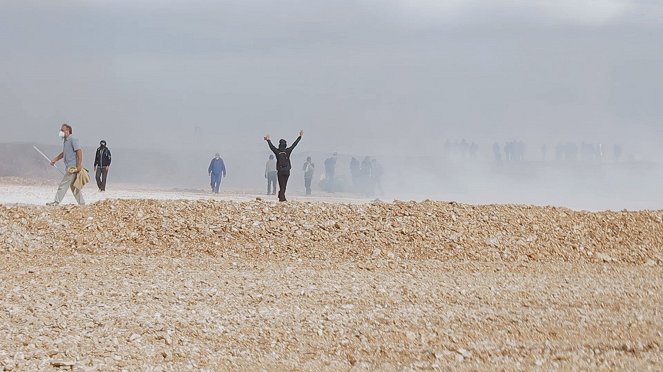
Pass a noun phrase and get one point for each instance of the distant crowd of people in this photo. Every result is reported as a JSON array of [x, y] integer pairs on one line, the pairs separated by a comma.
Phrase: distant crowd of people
[[366, 175], [515, 150]]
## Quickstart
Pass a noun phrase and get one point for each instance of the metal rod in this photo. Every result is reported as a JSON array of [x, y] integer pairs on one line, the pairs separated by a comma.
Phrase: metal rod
[[49, 160]]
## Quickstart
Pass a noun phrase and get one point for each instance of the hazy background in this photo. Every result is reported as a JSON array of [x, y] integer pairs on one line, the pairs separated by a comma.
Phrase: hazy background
[[168, 83]]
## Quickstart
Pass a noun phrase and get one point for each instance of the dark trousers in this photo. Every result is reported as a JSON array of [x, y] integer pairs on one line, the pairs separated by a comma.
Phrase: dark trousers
[[100, 176], [271, 183], [283, 182], [215, 182], [307, 184]]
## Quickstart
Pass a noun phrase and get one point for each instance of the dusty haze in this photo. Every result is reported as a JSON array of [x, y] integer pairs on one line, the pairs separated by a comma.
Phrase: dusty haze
[[167, 84]]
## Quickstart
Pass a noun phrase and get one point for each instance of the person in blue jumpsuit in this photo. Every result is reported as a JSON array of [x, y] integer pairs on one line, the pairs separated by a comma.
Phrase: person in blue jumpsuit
[[216, 170]]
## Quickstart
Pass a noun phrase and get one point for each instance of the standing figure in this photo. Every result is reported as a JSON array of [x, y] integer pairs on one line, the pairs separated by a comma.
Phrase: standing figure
[[72, 153], [216, 170], [330, 170], [308, 169], [270, 174], [102, 163], [283, 165]]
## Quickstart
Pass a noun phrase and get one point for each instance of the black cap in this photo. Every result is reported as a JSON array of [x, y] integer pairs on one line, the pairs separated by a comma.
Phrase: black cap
[[103, 142]]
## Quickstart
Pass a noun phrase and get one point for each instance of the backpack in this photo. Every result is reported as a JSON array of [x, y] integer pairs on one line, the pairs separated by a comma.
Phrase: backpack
[[282, 160]]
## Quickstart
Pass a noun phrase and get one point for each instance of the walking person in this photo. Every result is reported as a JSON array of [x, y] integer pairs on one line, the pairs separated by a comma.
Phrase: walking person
[[283, 164], [72, 153], [330, 171], [216, 171], [270, 175], [308, 169], [102, 163]]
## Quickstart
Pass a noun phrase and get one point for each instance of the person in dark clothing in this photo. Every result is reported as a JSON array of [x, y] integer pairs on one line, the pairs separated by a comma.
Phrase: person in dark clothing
[[308, 169], [216, 170], [102, 163], [283, 165], [330, 171]]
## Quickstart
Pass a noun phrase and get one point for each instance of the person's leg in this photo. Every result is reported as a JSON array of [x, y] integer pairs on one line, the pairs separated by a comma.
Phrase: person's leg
[[272, 180], [283, 181], [331, 181], [67, 180], [217, 183], [97, 177], [307, 185], [104, 178], [78, 194]]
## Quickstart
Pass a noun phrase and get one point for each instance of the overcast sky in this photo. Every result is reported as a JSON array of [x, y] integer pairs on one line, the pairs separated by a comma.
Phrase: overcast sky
[[354, 74]]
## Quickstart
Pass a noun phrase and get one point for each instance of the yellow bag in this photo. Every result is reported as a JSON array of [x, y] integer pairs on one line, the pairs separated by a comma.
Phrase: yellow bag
[[82, 178]]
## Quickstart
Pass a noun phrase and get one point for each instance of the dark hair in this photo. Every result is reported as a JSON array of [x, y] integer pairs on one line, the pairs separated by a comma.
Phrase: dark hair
[[71, 131]]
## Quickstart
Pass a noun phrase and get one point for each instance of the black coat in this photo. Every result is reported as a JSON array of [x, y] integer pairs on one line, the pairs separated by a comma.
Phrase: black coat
[[103, 157], [283, 162]]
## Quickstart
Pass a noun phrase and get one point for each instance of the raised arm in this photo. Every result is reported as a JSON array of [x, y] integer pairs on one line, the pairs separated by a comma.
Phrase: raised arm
[[271, 146], [294, 144]]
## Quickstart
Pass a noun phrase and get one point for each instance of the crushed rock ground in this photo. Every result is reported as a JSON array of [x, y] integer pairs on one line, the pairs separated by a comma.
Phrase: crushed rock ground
[[209, 285]]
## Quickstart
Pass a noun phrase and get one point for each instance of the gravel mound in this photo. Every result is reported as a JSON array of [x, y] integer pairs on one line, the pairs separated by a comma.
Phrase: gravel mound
[[212, 285], [405, 230]]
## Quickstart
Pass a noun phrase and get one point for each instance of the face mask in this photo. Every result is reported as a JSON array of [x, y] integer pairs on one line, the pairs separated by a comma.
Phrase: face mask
[[61, 134]]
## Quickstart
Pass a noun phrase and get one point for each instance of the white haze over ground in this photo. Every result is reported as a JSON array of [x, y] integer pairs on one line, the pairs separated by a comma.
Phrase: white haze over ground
[[169, 83]]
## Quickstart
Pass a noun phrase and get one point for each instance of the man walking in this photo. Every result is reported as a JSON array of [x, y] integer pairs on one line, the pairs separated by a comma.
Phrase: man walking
[[270, 174], [308, 169], [72, 153], [102, 162], [283, 164], [216, 170]]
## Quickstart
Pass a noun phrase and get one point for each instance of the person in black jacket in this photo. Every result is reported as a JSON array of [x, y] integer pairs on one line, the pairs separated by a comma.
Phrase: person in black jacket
[[283, 165], [102, 162]]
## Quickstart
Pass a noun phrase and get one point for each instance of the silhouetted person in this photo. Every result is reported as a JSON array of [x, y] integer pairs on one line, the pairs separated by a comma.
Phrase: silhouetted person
[[474, 149], [330, 171], [355, 172], [617, 151], [216, 170], [497, 152], [283, 165], [270, 175], [102, 163], [308, 169]]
